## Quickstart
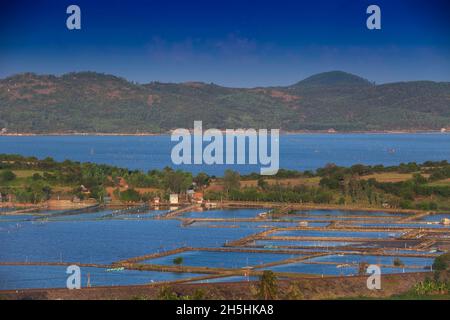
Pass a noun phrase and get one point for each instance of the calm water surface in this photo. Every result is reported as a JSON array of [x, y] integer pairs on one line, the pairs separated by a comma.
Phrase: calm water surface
[[98, 237], [104, 241], [297, 151], [24, 277]]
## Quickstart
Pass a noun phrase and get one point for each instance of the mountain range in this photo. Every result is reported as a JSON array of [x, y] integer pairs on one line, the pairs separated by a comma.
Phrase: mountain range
[[89, 102]]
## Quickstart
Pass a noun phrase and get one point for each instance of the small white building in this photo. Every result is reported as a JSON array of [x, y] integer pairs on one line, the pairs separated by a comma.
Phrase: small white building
[[173, 198]]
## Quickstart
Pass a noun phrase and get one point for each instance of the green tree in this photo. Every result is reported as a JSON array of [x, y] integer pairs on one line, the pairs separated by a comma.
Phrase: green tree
[[178, 261], [7, 176], [268, 287], [398, 262], [419, 179], [130, 195], [262, 183], [167, 293], [176, 181], [202, 179], [362, 267], [231, 181], [442, 262]]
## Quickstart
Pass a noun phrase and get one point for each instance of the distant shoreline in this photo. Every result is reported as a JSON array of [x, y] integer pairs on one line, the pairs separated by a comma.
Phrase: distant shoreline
[[144, 134]]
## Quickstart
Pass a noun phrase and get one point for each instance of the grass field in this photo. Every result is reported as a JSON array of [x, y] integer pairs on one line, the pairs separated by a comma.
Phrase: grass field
[[22, 178], [27, 173], [389, 177], [440, 183]]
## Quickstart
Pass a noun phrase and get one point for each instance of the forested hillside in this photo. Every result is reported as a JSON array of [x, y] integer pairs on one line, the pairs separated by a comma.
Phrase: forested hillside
[[93, 102]]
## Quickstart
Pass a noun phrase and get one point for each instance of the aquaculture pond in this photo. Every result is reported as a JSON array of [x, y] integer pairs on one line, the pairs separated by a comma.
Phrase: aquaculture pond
[[218, 259], [298, 218], [225, 213], [253, 224], [415, 252], [402, 225], [104, 241], [348, 213], [319, 244], [76, 216], [16, 218], [330, 269], [228, 279], [25, 277], [435, 217], [59, 215], [141, 215], [337, 234], [104, 236], [385, 260], [325, 269]]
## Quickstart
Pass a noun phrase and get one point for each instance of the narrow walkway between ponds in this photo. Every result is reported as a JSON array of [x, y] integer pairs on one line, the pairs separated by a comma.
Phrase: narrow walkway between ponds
[[179, 211]]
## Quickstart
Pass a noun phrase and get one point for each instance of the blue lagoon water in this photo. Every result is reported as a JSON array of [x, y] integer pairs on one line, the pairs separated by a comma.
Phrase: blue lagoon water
[[325, 269], [254, 224], [435, 217], [314, 244], [332, 270], [103, 241], [337, 234], [218, 259], [26, 277], [228, 279], [225, 214], [346, 213], [297, 151], [386, 260]]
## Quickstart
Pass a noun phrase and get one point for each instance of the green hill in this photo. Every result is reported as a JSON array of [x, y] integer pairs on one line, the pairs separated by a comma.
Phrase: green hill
[[93, 102], [333, 79]]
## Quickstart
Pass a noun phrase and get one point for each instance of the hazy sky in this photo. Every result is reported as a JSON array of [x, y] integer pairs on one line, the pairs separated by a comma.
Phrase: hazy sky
[[228, 42]]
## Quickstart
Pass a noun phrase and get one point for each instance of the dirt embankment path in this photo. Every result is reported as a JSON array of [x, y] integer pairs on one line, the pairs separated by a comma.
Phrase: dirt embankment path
[[307, 288]]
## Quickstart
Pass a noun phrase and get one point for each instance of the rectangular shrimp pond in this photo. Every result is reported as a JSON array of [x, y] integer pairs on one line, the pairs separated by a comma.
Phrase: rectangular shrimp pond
[[23, 277], [331, 269], [36, 247], [337, 234], [226, 214], [219, 259]]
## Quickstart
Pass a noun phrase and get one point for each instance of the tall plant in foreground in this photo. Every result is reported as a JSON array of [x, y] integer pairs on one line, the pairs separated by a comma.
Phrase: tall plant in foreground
[[268, 287]]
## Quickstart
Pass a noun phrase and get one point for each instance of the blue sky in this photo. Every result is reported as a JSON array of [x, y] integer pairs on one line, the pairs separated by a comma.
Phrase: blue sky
[[231, 43]]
